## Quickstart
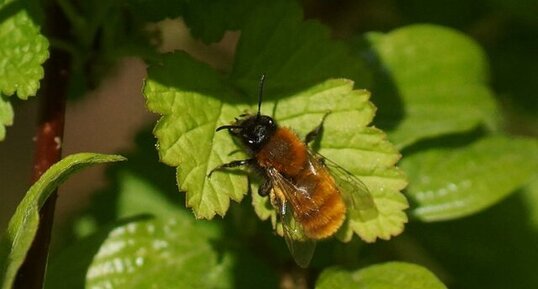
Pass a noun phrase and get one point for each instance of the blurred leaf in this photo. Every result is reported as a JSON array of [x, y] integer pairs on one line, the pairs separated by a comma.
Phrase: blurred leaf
[[6, 115], [454, 13], [383, 276], [448, 182], [138, 196], [23, 225], [170, 251], [141, 186], [431, 81], [131, 195], [152, 10], [471, 249], [22, 52], [530, 195], [294, 54], [514, 63], [521, 9], [209, 19]]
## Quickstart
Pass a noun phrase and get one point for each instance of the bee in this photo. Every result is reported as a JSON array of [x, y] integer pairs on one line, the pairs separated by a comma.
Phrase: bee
[[311, 194]]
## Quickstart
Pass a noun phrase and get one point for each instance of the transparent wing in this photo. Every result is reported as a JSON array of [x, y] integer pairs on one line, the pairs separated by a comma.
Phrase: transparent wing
[[299, 198], [358, 198], [302, 250], [286, 201]]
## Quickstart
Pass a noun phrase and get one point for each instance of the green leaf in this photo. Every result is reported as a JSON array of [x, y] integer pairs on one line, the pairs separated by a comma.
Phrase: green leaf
[[130, 195], [503, 234], [294, 54], [6, 115], [522, 10], [194, 101], [22, 49], [22, 52], [207, 21], [531, 197], [23, 225], [151, 10], [363, 151], [431, 81], [383, 276], [141, 186], [448, 182], [137, 196], [171, 252]]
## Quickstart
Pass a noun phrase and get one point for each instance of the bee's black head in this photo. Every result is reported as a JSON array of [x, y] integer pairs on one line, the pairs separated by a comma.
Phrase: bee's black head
[[253, 131]]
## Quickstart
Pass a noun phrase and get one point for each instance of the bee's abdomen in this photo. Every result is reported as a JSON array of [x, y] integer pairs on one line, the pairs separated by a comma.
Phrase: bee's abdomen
[[326, 212]]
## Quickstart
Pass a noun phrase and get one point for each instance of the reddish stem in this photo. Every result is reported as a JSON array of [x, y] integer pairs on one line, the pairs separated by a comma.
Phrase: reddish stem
[[48, 146]]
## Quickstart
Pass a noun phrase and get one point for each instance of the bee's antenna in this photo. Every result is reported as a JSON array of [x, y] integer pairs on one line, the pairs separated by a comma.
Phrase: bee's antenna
[[228, 127], [260, 93]]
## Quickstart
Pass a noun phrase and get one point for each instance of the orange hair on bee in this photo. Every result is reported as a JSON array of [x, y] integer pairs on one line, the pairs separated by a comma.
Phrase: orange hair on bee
[[284, 152]]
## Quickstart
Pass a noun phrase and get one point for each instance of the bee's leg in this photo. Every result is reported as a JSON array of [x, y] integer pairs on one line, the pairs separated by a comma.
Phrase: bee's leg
[[280, 204], [232, 164], [283, 209], [274, 201], [265, 188], [313, 134]]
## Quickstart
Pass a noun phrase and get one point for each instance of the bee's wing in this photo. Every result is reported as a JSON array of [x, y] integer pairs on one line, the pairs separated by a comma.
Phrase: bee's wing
[[301, 247], [358, 198]]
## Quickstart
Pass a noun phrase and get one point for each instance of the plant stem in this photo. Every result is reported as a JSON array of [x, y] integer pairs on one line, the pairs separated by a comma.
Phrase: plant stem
[[48, 144]]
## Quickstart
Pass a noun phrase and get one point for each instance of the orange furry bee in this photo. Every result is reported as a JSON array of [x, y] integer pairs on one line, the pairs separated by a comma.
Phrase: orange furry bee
[[311, 194]]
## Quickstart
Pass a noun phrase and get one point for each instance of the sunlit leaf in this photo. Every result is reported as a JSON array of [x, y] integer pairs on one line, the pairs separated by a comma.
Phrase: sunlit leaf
[[172, 251], [22, 52], [194, 101], [448, 182], [430, 81], [392, 275]]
